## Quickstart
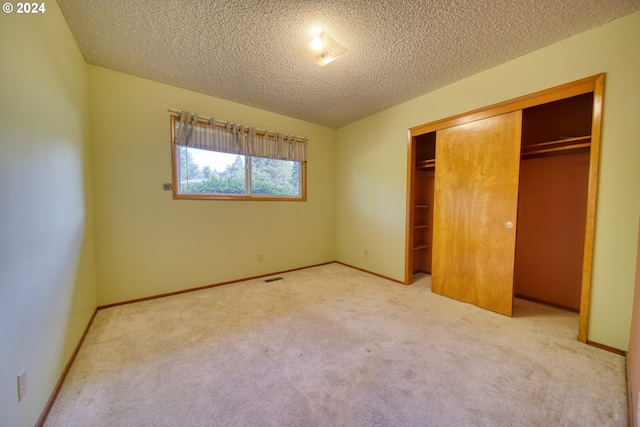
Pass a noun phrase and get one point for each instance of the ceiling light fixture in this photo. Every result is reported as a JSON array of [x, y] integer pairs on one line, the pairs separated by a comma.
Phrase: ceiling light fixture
[[322, 49]]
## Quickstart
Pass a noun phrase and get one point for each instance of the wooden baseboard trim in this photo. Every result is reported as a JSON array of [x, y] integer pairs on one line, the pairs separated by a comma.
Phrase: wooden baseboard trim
[[370, 272], [606, 347], [183, 291], [65, 371]]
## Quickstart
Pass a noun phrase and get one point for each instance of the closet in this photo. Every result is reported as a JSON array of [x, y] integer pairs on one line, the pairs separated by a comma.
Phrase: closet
[[552, 201], [501, 200], [422, 230]]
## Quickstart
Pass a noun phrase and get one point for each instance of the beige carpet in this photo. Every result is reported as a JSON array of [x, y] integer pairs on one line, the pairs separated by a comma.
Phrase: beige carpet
[[333, 346]]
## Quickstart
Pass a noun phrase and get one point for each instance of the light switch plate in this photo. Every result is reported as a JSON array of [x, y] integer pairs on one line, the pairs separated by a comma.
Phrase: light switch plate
[[22, 384]]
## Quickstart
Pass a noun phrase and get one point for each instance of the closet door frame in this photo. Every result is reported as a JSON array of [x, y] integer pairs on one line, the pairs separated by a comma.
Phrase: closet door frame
[[593, 84]]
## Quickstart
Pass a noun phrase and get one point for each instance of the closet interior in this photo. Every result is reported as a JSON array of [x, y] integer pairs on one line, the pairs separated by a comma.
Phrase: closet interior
[[422, 232], [558, 141], [552, 201]]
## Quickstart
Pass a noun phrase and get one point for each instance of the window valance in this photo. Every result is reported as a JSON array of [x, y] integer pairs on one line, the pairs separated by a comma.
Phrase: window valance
[[208, 134]]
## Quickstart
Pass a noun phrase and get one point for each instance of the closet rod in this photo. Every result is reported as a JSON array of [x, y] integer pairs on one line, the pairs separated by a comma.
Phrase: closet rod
[[556, 149]]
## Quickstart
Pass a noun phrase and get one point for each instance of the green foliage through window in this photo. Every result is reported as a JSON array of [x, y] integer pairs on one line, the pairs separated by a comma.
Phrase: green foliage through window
[[213, 173]]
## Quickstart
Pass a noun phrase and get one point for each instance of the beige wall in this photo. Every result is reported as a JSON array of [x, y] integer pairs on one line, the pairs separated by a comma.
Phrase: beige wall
[[149, 244], [371, 163], [47, 280]]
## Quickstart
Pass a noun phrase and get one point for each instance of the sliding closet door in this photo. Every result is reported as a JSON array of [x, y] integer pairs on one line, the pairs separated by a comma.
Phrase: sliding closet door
[[476, 197]]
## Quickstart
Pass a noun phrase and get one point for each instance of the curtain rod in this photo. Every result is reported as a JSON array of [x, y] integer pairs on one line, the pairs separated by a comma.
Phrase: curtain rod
[[224, 123]]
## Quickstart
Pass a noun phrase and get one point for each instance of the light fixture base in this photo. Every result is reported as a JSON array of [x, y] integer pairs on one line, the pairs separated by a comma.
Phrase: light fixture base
[[322, 49]]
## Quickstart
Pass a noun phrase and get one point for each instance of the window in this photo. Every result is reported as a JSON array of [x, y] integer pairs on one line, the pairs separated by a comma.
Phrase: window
[[200, 172]]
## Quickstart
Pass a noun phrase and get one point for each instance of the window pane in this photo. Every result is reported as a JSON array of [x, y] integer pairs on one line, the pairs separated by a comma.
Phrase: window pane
[[275, 177], [211, 172]]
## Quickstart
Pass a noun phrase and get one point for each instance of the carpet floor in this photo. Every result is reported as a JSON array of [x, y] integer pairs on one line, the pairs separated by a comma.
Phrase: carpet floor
[[334, 346]]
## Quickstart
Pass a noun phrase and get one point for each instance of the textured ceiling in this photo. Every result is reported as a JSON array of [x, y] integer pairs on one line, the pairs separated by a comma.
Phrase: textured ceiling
[[248, 51]]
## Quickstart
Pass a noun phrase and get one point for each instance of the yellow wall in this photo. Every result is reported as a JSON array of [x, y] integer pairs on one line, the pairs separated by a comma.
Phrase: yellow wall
[[371, 163], [47, 277], [149, 244]]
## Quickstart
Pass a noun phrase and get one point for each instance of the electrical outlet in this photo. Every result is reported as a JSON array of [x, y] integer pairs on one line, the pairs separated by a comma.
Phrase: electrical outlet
[[260, 257], [167, 187], [22, 384]]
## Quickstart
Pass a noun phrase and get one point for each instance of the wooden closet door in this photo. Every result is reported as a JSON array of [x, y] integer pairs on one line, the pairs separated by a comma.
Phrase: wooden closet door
[[476, 197]]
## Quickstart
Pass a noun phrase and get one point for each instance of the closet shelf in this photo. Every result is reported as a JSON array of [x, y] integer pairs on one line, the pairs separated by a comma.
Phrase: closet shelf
[[422, 206], [580, 144], [419, 247], [421, 226], [425, 164]]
